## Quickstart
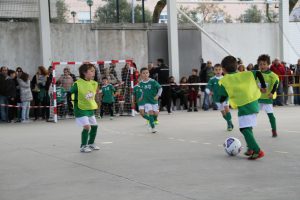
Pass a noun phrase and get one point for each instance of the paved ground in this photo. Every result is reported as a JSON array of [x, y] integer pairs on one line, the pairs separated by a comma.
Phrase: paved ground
[[185, 160]]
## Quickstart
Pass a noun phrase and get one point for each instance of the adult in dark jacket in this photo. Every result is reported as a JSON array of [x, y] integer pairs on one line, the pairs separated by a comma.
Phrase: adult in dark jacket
[[3, 98], [163, 73]]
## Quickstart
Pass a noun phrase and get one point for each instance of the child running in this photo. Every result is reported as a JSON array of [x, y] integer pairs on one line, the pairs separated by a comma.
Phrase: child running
[[151, 92], [243, 93], [108, 97], [272, 81], [212, 88], [138, 100], [83, 92]]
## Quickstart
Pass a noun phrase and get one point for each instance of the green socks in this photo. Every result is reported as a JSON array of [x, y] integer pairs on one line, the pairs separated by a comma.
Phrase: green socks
[[151, 120], [227, 117], [272, 121], [84, 137], [250, 140], [93, 134], [155, 117]]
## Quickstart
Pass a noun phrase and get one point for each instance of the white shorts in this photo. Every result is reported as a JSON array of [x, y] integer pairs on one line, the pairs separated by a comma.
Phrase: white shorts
[[151, 107], [266, 107], [221, 106], [247, 121], [142, 107], [83, 121]]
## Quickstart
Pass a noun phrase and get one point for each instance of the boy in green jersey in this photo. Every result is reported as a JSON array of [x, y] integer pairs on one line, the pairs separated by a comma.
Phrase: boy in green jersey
[[138, 100], [83, 92], [60, 98], [108, 97], [272, 81], [212, 88], [151, 92], [243, 93]]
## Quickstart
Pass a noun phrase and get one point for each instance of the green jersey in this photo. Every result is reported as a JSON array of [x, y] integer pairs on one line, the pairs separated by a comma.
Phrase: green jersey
[[77, 111], [138, 93], [60, 94], [108, 92], [213, 86], [149, 89]]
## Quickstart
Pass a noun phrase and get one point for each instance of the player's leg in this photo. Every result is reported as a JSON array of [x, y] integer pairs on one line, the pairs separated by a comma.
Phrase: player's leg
[[103, 105], [246, 123], [269, 110], [110, 108], [228, 117], [84, 122], [155, 113], [93, 133]]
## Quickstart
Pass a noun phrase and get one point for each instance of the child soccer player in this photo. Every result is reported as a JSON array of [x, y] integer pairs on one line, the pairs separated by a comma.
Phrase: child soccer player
[[138, 99], [243, 93], [212, 88], [272, 81], [108, 97], [84, 91], [151, 92], [60, 96]]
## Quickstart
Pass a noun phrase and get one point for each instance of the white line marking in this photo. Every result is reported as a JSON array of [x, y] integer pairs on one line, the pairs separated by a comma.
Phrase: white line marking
[[283, 152], [181, 140], [219, 145], [206, 143], [293, 131], [106, 142], [194, 141], [171, 138]]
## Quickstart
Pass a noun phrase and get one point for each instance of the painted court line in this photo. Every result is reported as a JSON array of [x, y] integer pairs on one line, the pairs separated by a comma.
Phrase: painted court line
[[106, 142], [206, 143], [283, 152]]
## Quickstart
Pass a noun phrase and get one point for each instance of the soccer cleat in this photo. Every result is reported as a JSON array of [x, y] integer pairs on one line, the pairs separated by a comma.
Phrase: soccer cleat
[[249, 152], [274, 133], [156, 122], [153, 130], [230, 127], [93, 147], [85, 149], [255, 156]]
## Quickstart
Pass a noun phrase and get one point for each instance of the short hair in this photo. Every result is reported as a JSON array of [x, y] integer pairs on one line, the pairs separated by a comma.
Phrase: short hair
[[10, 72], [24, 76], [195, 70], [84, 68], [218, 65], [58, 82], [265, 58], [104, 78], [229, 63], [144, 69], [160, 60]]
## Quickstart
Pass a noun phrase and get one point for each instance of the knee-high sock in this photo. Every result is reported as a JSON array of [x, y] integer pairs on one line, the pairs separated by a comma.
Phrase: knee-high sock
[[84, 137], [155, 117], [151, 120], [227, 117], [93, 134], [250, 140], [272, 121]]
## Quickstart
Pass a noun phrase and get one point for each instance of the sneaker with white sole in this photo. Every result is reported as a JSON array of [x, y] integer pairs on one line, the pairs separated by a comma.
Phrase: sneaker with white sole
[[153, 130], [85, 149], [94, 147]]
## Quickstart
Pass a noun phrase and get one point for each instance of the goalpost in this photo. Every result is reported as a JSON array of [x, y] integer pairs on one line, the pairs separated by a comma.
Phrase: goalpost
[[124, 85]]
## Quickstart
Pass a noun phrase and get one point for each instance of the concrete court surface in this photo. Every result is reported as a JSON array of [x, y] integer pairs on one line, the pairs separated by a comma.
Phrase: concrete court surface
[[185, 160]]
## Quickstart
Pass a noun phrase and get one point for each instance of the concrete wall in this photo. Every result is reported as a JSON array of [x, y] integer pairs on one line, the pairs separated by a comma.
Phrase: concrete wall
[[246, 41], [20, 45]]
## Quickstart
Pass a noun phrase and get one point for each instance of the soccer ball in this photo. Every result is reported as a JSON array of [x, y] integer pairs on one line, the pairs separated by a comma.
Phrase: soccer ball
[[232, 146]]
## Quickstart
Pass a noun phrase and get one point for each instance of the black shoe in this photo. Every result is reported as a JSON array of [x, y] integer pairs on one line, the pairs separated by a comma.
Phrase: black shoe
[[189, 110], [195, 110]]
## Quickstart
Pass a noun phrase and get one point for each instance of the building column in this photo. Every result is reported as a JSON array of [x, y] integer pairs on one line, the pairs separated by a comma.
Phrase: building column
[[45, 39], [173, 39], [283, 28]]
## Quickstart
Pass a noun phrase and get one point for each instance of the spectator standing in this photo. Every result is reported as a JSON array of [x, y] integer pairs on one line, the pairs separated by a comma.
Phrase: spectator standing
[[3, 94], [193, 90], [67, 81], [279, 69], [11, 95], [297, 82], [25, 95]]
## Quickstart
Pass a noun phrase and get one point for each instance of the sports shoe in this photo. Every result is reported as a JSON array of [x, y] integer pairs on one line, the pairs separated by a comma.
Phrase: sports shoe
[[230, 127], [249, 152], [189, 110], [93, 147], [111, 118], [85, 149], [274, 133], [153, 130], [195, 110], [156, 122], [255, 156]]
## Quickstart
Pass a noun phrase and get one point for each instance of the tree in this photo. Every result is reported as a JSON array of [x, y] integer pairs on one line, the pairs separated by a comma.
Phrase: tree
[[107, 13], [62, 12], [158, 9], [252, 15]]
